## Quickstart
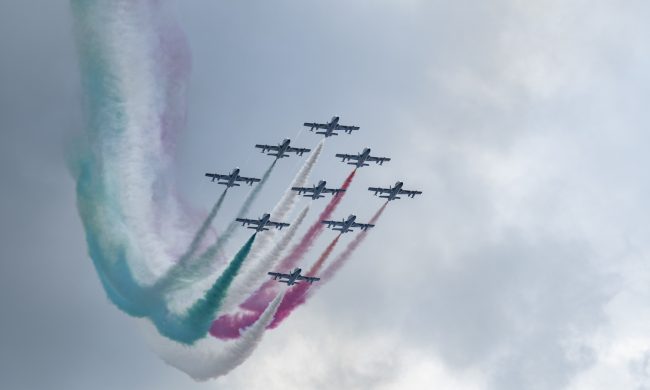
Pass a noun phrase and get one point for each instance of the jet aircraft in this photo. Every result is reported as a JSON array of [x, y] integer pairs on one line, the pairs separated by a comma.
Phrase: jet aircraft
[[392, 193], [330, 128], [262, 223], [231, 178], [346, 225], [293, 277], [282, 149], [317, 190], [362, 158]]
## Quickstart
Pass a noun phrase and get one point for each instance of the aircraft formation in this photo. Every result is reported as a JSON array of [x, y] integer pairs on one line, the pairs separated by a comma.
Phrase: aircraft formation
[[317, 191]]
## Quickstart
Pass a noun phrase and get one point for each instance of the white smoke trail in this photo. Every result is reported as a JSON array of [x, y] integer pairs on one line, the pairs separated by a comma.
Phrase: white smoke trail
[[209, 358], [133, 158], [288, 201], [184, 297], [250, 281]]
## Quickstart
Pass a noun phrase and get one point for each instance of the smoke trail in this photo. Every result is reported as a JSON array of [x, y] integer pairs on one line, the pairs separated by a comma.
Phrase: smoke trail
[[314, 231], [209, 359], [120, 163], [280, 211], [296, 296], [228, 326], [190, 270], [263, 259], [200, 234], [195, 323], [261, 298], [289, 198], [333, 268], [248, 282]]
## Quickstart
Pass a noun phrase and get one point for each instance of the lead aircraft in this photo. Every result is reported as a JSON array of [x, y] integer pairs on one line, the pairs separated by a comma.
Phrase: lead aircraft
[[330, 128], [282, 149]]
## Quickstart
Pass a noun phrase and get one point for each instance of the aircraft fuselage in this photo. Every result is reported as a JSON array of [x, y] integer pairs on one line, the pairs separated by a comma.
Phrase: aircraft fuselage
[[347, 224], [294, 275], [263, 222], [363, 156]]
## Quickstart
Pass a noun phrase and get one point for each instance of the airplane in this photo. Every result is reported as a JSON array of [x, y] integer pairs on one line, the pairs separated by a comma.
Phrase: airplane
[[317, 190], [392, 192], [293, 277], [282, 149], [362, 158], [346, 225], [231, 178], [262, 223], [330, 127]]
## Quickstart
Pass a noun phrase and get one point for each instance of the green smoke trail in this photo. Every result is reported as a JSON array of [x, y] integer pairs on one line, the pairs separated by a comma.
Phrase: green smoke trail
[[200, 234], [188, 271], [97, 205], [195, 323]]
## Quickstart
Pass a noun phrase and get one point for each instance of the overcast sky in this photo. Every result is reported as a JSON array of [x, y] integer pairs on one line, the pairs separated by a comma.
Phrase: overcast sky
[[524, 265]]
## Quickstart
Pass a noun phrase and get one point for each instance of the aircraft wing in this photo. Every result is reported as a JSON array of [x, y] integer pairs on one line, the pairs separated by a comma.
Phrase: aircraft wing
[[248, 180], [379, 160], [217, 176], [266, 148], [302, 190], [363, 226], [299, 151], [332, 223], [246, 221], [280, 275], [315, 125], [309, 279], [346, 157], [410, 193], [379, 189], [332, 190], [279, 225], [347, 129]]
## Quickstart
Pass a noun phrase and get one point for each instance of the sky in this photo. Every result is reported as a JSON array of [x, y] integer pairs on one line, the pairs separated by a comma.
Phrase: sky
[[522, 266]]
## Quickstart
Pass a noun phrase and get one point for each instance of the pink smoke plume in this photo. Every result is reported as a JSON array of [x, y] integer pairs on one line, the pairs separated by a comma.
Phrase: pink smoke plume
[[352, 246], [301, 293], [297, 295], [227, 326]]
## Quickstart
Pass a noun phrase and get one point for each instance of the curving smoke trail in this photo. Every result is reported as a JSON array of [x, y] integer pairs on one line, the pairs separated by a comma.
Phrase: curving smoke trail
[[195, 323], [209, 359], [125, 196], [143, 240]]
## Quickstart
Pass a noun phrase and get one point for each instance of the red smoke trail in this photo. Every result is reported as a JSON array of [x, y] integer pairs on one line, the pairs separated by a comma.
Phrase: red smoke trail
[[297, 295], [347, 252], [228, 326], [300, 294], [261, 298]]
